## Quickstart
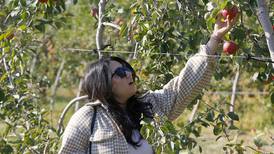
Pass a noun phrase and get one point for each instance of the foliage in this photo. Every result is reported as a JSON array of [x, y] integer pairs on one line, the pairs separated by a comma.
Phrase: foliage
[[26, 129]]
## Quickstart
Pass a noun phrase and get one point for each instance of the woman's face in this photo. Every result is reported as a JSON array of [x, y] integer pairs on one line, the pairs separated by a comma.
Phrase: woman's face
[[123, 86]]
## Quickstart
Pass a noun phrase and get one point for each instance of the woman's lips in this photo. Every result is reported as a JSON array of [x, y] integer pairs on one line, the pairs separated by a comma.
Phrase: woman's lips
[[131, 83]]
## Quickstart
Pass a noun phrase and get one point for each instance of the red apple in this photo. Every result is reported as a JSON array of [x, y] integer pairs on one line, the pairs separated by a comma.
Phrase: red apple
[[230, 47], [224, 12], [94, 12], [269, 80], [231, 12]]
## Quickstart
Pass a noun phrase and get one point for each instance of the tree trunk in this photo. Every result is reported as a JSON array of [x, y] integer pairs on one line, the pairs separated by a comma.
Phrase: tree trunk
[[55, 87], [234, 90], [266, 24]]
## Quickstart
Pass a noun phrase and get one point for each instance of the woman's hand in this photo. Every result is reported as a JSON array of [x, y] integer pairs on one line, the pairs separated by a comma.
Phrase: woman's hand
[[222, 26]]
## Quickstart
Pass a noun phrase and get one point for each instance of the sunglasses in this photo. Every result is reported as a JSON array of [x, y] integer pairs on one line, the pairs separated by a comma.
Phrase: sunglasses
[[121, 72]]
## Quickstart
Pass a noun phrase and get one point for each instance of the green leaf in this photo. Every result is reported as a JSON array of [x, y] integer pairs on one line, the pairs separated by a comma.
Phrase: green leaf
[[205, 2], [23, 3], [248, 12], [233, 116], [75, 1], [200, 149], [232, 127], [239, 33], [253, 3], [2, 95], [23, 27], [272, 98], [40, 27], [123, 30], [217, 129], [2, 36], [210, 116], [203, 123], [210, 22]]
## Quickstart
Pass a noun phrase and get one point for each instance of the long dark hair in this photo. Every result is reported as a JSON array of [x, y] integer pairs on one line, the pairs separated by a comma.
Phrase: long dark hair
[[97, 85]]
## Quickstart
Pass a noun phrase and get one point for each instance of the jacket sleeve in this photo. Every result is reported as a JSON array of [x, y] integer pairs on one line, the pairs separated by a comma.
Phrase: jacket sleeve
[[184, 88]]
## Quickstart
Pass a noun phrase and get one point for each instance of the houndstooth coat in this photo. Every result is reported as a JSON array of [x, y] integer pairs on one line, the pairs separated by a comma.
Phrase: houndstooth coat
[[170, 101]]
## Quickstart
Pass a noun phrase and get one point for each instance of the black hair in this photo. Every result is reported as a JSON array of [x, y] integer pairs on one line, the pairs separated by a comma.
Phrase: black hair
[[97, 85]]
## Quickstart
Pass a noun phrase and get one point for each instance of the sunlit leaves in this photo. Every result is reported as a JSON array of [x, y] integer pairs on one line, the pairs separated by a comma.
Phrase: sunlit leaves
[[18, 107], [165, 138]]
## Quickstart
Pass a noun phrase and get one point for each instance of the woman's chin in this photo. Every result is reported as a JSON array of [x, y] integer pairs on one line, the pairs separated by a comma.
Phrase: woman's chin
[[133, 92]]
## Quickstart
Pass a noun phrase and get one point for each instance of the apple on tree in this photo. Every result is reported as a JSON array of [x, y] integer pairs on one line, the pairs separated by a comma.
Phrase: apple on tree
[[94, 12], [230, 12], [43, 1], [230, 47]]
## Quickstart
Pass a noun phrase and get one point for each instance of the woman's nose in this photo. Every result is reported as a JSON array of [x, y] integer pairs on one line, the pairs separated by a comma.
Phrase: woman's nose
[[129, 74]]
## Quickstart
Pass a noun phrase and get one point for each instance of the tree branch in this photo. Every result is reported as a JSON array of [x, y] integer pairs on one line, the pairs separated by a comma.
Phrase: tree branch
[[194, 110], [8, 72], [100, 28], [267, 27], [61, 119], [234, 90], [112, 25], [135, 50], [55, 86], [78, 94]]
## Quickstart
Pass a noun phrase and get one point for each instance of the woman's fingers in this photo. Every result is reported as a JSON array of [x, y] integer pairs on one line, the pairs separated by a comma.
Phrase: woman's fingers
[[219, 17], [231, 23], [222, 27], [235, 20]]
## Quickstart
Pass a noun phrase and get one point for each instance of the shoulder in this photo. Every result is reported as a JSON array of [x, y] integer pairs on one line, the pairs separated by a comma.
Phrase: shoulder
[[82, 118], [144, 95]]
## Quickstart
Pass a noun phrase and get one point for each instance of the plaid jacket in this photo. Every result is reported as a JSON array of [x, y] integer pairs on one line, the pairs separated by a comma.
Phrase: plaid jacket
[[170, 101]]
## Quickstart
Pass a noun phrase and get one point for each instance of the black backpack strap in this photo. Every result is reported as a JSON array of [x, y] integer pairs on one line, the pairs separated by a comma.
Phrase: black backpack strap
[[92, 125]]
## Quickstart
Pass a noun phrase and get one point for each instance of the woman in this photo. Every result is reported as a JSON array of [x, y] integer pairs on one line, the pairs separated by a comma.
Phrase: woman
[[109, 84]]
